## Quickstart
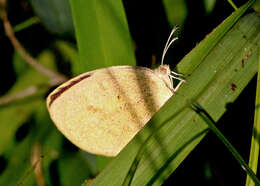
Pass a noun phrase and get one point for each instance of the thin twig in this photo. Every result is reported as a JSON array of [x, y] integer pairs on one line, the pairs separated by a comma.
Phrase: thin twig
[[55, 77], [36, 164], [36, 159], [18, 95]]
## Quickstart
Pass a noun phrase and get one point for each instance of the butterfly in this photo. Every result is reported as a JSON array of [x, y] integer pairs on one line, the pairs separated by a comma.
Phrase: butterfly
[[102, 110]]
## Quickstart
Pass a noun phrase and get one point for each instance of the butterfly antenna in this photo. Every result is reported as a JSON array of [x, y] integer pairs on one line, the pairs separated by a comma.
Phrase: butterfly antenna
[[167, 45], [169, 42]]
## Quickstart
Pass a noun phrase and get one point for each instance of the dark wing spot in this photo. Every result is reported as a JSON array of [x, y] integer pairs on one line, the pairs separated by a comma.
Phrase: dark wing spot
[[63, 89], [233, 86]]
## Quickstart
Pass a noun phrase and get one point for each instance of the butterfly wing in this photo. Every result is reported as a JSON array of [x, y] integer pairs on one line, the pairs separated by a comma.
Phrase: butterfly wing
[[102, 110]]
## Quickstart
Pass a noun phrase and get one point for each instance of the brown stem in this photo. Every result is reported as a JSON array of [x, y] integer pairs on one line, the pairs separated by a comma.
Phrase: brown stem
[[55, 77], [18, 95], [36, 159], [36, 167]]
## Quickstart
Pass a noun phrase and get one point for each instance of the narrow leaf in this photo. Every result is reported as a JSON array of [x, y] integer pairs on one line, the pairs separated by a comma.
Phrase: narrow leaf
[[217, 77], [102, 34]]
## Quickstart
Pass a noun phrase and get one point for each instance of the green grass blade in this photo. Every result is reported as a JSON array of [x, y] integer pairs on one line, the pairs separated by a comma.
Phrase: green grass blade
[[212, 125], [25, 24], [102, 34], [254, 152], [218, 73], [232, 4], [129, 177], [194, 58]]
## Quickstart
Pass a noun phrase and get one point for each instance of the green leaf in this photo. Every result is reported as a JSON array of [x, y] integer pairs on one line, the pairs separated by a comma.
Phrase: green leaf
[[18, 164], [25, 24], [102, 34], [218, 72], [194, 58], [16, 114], [75, 162], [69, 53], [256, 6], [41, 134], [209, 5], [212, 125], [56, 161], [254, 150], [55, 15], [176, 11]]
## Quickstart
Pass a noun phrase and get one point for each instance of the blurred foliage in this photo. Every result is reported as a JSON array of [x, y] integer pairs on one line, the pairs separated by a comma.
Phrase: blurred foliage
[[256, 6], [176, 11], [209, 5], [55, 15]]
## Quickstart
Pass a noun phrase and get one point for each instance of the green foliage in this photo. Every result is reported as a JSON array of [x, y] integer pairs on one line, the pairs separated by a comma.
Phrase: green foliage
[[254, 153], [176, 11], [216, 70], [99, 46], [55, 15], [175, 130]]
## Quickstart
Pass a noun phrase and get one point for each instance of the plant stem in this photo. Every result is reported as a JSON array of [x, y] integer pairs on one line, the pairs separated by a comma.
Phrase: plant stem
[[211, 123], [254, 151], [56, 78], [232, 4], [25, 24]]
